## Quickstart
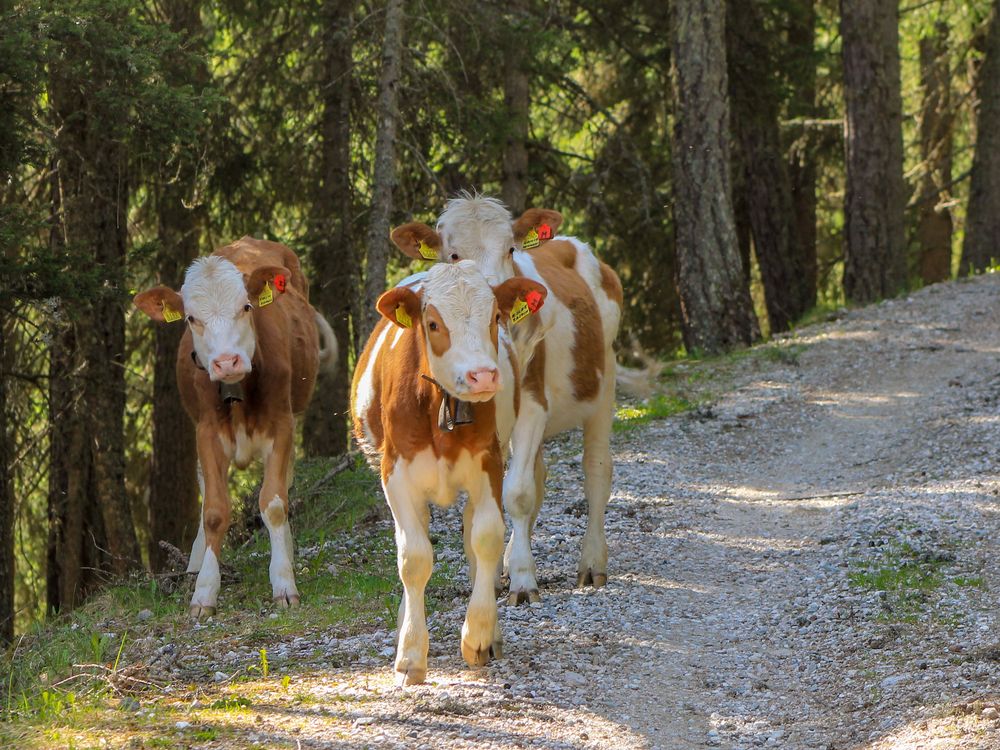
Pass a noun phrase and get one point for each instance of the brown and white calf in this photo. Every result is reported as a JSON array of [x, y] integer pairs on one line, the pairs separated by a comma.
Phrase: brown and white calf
[[568, 363], [435, 395], [246, 367]]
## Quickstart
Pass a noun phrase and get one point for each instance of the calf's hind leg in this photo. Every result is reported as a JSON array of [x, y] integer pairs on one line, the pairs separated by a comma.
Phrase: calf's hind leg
[[593, 568]]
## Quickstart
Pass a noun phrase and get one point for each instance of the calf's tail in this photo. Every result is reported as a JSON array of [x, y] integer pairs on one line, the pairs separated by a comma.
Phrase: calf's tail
[[328, 349]]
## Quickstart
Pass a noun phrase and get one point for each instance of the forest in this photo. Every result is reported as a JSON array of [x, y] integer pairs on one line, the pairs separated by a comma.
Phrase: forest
[[744, 165]]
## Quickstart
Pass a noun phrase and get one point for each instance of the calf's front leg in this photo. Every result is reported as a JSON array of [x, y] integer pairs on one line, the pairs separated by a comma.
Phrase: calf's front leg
[[215, 515], [274, 510], [414, 558], [522, 497], [481, 635]]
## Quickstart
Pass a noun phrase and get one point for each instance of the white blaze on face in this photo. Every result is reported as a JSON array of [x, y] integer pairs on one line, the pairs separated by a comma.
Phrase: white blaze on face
[[478, 228], [459, 321], [216, 306]]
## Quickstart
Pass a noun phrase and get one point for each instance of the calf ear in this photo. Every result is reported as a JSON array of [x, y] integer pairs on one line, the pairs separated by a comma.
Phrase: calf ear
[[274, 276], [520, 289], [161, 303], [417, 240], [400, 306], [544, 221]]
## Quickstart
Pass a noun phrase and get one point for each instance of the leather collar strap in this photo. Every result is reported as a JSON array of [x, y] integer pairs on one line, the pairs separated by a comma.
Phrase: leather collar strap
[[228, 392], [453, 410]]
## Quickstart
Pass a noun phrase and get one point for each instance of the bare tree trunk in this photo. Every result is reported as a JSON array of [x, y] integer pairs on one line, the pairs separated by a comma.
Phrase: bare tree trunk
[[875, 241], [715, 299], [91, 520], [801, 154], [755, 100], [982, 227], [173, 485], [516, 100], [934, 224], [384, 178], [7, 517], [334, 288]]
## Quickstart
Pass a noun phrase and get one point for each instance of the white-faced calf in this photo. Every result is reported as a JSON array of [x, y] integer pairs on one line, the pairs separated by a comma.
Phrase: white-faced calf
[[435, 395], [568, 363], [246, 367]]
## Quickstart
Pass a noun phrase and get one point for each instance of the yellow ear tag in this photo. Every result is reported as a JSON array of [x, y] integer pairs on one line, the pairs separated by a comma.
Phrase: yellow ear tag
[[520, 311], [530, 240], [266, 296], [404, 319], [170, 314], [426, 251]]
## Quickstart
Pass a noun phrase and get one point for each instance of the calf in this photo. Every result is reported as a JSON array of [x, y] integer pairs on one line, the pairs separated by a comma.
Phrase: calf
[[246, 367], [568, 363], [435, 395]]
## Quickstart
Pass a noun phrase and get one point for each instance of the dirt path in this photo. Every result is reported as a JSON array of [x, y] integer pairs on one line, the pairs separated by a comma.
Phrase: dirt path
[[807, 563]]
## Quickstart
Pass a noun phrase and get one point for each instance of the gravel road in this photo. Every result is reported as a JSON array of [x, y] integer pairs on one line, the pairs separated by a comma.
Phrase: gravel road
[[808, 562]]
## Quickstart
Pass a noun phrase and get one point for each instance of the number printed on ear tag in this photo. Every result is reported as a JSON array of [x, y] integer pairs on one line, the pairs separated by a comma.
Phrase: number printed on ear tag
[[170, 314], [426, 251], [266, 296], [530, 240], [520, 311]]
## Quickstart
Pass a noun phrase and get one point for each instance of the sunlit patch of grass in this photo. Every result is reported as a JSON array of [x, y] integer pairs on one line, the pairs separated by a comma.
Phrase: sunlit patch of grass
[[660, 406], [346, 573]]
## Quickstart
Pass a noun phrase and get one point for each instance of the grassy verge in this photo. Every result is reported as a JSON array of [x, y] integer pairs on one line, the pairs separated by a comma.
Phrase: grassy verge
[[130, 665]]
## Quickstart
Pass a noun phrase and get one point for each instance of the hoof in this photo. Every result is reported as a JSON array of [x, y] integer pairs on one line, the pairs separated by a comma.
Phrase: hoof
[[496, 650], [523, 597], [589, 578], [284, 601], [476, 657], [410, 675], [201, 611]]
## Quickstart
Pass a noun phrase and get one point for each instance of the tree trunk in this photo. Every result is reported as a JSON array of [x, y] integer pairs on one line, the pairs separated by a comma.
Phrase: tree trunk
[[982, 226], [334, 287], [7, 517], [934, 224], [174, 511], [875, 241], [514, 191], [715, 299], [755, 99], [91, 520], [801, 154], [384, 177]]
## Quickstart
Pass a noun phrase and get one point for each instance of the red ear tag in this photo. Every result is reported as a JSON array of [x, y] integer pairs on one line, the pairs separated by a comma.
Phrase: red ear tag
[[279, 282], [544, 232], [534, 299]]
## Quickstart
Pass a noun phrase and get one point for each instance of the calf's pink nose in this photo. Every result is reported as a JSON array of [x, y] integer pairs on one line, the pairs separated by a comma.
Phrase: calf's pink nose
[[482, 381], [227, 365]]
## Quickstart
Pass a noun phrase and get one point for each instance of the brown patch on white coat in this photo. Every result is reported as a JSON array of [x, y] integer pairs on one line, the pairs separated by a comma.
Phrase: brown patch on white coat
[[568, 360], [273, 352], [444, 327]]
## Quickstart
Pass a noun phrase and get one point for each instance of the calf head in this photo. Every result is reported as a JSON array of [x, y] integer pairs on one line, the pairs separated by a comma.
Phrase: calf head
[[480, 229], [217, 301], [456, 314]]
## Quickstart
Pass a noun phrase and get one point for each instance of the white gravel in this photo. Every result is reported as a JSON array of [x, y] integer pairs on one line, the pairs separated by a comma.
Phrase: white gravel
[[744, 606]]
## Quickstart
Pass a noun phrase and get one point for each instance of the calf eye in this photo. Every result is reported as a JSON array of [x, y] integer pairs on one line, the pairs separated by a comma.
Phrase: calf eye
[[498, 318], [247, 307], [191, 319], [511, 251], [454, 256], [432, 325]]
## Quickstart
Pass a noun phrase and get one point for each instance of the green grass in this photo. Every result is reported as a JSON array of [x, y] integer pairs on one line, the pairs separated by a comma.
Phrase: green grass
[[659, 406], [57, 680], [909, 578]]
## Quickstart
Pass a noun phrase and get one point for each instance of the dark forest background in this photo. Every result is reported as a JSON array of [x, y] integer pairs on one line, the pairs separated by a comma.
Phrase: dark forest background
[[743, 165]]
